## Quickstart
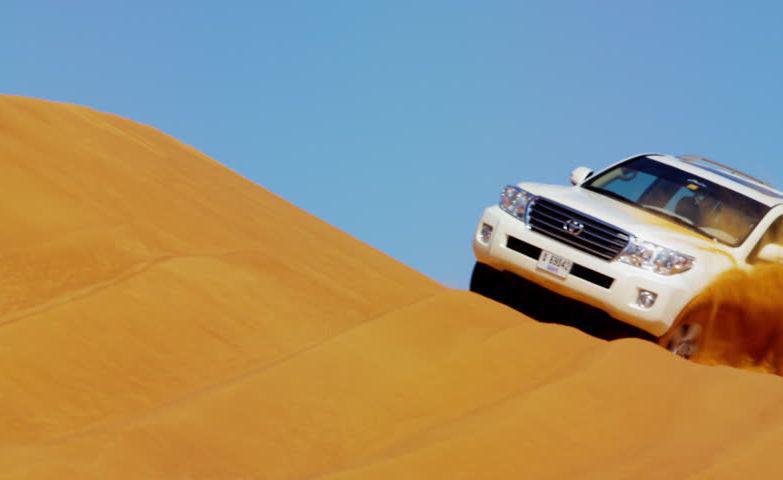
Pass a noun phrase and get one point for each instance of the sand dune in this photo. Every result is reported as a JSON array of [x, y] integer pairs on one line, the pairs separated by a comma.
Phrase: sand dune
[[162, 317]]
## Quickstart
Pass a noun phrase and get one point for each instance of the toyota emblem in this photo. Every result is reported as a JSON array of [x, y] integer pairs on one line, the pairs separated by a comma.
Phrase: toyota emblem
[[573, 227]]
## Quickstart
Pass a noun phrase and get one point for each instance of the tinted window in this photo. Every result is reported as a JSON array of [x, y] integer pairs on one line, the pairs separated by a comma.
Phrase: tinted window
[[630, 184], [705, 207]]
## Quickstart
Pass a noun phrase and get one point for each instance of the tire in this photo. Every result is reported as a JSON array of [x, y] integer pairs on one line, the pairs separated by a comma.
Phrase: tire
[[485, 280], [686, 339]]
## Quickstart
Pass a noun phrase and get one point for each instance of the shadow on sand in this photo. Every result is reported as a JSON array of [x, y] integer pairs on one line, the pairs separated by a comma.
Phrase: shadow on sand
[[549, 307]]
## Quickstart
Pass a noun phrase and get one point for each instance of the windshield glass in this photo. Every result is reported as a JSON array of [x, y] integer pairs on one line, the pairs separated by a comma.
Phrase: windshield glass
[[712, 210]]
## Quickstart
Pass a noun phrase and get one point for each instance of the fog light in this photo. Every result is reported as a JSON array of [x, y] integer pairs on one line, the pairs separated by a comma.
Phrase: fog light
[[485, 234], [646, 299]]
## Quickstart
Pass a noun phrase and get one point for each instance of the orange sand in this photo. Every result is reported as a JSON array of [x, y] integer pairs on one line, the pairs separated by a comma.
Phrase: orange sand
[[163, 318], [742, 318]]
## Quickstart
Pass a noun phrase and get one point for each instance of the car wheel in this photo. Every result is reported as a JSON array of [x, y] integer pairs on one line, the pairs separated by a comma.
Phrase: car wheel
[[485, 280], [685, 340]]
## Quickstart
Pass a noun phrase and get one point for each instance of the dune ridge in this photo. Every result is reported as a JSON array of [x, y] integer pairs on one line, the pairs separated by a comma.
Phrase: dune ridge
[[162, 317]]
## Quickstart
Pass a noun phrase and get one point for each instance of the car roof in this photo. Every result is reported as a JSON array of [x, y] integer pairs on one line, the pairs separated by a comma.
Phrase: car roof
[[723, 175]]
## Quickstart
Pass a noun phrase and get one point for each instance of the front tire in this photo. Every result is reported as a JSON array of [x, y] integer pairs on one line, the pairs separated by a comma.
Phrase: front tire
[[686, 340]]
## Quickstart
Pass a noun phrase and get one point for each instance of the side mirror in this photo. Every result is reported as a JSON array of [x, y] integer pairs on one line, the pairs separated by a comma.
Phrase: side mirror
[[771, 252], [580, 174]]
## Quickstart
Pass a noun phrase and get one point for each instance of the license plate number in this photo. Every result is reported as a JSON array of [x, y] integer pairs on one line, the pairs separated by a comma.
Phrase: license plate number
[[554, 264]]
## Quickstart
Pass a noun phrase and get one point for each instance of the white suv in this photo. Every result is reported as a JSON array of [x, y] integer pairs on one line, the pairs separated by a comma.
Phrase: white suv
[[639, 240]]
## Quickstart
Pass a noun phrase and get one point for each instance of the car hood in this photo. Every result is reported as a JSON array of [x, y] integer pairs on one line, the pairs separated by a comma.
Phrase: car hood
[[642, 224]]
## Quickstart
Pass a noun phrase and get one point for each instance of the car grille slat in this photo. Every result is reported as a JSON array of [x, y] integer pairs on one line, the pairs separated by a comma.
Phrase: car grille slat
[[597, 238], [557, 230], [558, 222], [608, 232], [598, 253]]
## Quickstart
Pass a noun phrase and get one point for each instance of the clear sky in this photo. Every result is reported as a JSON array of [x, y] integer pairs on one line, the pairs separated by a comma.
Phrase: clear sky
[[398, 121]]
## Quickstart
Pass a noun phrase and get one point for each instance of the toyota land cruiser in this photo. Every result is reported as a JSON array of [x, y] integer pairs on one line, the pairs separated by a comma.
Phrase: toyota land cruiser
[[638, 240]]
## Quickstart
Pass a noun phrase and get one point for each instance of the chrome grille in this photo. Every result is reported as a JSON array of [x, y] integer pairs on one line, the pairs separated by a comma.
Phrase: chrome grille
[[596, 237]]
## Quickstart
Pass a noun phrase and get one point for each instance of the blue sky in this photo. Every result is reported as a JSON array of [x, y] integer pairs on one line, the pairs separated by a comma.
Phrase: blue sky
[[398, 121]]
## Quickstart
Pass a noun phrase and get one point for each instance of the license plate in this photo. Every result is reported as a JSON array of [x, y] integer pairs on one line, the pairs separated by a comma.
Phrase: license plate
[[554, 264]]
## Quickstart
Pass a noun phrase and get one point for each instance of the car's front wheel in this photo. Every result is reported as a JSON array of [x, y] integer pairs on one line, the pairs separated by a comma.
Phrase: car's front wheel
[[687, 337], [686, 340]]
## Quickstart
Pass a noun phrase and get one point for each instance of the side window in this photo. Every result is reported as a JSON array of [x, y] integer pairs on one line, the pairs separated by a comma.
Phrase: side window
[[773, 235]]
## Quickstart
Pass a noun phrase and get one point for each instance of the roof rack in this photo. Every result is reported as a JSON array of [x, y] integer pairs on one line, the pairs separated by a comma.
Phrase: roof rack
[[696, 159]]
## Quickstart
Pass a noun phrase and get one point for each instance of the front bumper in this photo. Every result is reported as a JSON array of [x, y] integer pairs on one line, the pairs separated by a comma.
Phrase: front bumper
[[609, 285]]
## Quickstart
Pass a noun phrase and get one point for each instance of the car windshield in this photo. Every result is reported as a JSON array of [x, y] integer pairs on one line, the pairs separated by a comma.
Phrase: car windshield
[[705, 207]]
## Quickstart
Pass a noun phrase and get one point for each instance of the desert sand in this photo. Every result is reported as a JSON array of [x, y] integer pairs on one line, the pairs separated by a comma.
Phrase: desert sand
[[162, 317]]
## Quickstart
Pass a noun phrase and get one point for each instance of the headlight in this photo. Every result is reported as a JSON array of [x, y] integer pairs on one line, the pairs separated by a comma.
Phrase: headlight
[[514, 201], [655, 258]]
